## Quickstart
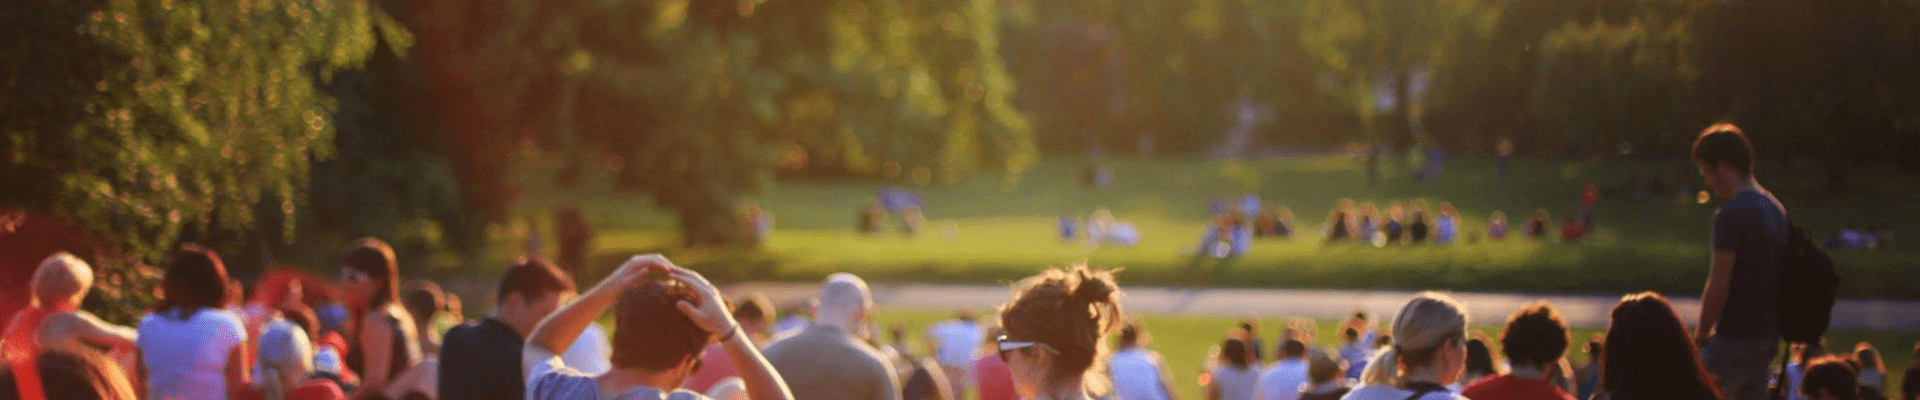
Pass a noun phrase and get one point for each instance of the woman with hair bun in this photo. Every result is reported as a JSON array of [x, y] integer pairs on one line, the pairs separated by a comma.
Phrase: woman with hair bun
[[1429, 352], [1056, 323]]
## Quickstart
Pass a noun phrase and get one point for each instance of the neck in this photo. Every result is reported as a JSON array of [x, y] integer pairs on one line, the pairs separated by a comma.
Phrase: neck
[[1529, 373], [1427, 375], [621, 380], [1746, 184], [845, 324], [509, 319], [1072, 389]]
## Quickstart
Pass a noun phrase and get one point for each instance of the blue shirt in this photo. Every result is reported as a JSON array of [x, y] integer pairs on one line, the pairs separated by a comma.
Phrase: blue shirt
[[1753, 225]]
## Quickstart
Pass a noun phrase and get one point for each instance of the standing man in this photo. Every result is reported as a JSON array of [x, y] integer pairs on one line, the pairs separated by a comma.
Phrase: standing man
[[1749, 249], [830, 360], [481, 359], [953, 344]]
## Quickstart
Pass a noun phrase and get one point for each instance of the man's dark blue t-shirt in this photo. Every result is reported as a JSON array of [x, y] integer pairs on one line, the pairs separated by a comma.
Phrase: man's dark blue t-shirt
[[1754, 226], [481, 360]]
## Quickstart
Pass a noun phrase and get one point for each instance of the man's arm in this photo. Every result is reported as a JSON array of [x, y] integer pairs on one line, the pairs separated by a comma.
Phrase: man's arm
[[1714, 297], [558, 331], [711, 314]]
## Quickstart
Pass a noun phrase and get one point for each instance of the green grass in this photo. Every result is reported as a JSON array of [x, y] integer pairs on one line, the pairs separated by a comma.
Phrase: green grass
[[1185, 341], [1006, 230]]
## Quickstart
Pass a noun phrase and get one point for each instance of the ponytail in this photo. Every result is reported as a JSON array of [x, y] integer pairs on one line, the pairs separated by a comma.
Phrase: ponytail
[[1383, 368]]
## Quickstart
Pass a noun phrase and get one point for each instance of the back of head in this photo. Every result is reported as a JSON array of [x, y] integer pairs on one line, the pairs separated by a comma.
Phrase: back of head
[[1830, 376], [753, 307], [195, 279], [532, 279], [1535, 336], [423, 300], [1070, 310], [71, 376], [61, 278], [285, 351], [844, 300], [1322, 368], [1724, 144], [649, 331], [1130, 334], [1292, 349], [1649, 352], [1479, 358], [1868, 357], [1425, 325], [1236, 352], [375, 258]]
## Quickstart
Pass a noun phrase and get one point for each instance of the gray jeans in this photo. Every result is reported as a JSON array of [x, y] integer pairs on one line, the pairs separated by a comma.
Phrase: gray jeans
[[1740, 366]]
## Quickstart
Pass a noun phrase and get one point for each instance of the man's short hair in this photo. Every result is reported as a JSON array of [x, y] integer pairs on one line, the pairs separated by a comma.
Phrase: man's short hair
[[423, 299], [1724, 144], [650, 332], [533, 278], [1831, 375], [753, 307], [1535, 336], [1293, 348]]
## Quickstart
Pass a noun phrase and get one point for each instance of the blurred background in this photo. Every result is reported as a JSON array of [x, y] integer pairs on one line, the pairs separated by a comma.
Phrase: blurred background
[[756, 137]]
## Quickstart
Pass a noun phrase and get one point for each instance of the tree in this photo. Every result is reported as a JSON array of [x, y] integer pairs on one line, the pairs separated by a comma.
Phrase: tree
[[699, 103], [147, 122]]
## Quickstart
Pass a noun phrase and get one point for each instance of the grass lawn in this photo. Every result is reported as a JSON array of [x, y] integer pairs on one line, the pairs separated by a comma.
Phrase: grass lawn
[[1003, 229], [1185, 342]]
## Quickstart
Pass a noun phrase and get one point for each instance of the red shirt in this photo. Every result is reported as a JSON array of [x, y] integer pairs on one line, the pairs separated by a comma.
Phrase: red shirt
[[714, 367], [1508, 387], [993, 378], [317, 389]]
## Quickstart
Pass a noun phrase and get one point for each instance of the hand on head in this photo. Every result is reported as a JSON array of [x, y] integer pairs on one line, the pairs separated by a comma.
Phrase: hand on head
[[705, 308]]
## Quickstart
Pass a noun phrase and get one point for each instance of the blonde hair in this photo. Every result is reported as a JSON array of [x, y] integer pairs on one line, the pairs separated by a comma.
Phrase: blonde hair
[[61, 277], [1422, 327]]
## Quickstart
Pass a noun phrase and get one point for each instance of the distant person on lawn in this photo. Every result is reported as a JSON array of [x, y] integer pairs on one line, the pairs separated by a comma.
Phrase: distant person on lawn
[[1235, 376], [1749, 247]]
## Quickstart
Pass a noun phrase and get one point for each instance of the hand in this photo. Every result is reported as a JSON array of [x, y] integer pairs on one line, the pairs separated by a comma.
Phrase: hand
[[707, 310], [1700, 339], [635, 269]]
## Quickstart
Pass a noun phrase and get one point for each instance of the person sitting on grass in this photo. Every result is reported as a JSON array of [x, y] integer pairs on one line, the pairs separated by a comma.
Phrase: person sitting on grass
[[1830, 378], [1446, 227], [1395, 226], [1534, 341], [1872, 373], [1139, 373], [1479, 362], [1371, 223], [663, 316], [1497, 226], [1235, 376], [1324, 378], [1539, 227]]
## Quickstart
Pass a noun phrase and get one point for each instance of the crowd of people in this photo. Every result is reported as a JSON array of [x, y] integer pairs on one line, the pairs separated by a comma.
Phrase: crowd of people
[[368, 335]]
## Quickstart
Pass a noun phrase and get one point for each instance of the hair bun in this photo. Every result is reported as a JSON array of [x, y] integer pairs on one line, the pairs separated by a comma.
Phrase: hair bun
[[1094, 287]]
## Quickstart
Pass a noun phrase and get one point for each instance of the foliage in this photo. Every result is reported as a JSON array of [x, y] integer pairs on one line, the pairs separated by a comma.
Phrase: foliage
[[698, 102], [1591, 76], [151, 122]]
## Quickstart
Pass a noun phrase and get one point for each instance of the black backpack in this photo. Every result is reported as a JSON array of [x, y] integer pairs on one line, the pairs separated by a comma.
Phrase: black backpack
[[1805, 306], [1807, 286]]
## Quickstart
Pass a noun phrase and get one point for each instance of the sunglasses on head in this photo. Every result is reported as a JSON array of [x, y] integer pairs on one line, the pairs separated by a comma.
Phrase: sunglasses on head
[[1008, 346], [354, 275]]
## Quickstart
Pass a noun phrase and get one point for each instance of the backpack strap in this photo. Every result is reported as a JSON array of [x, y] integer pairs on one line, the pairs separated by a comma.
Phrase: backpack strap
[[1420, 389]]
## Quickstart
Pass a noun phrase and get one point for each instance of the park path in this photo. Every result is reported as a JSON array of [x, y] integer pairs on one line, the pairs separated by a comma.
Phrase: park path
[[1580, 310]]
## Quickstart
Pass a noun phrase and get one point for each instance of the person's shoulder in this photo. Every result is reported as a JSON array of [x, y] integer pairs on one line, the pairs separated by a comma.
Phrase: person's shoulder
[[562, 383]]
